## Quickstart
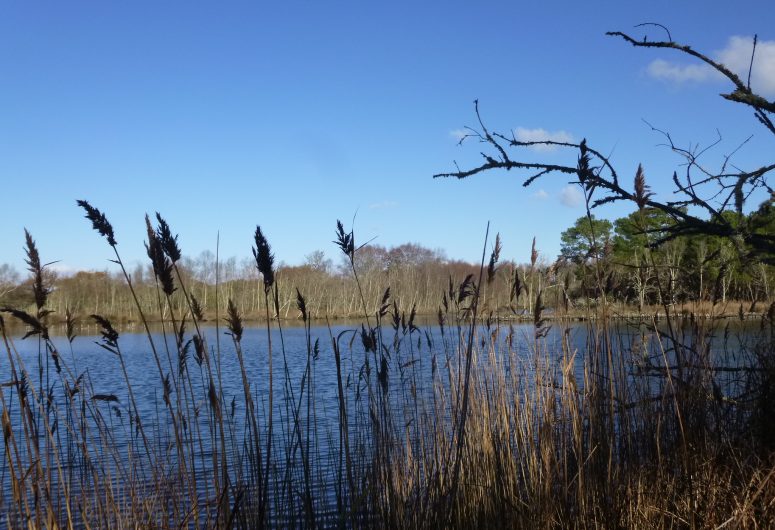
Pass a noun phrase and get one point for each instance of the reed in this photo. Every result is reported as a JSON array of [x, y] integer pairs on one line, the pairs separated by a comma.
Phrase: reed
[[473, 421]]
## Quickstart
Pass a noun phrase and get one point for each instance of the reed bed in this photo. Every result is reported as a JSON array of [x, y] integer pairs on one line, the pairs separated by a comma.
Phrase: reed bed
[[471, 422]]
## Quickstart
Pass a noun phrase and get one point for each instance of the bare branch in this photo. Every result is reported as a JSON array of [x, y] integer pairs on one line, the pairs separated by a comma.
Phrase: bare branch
[[742, 93]]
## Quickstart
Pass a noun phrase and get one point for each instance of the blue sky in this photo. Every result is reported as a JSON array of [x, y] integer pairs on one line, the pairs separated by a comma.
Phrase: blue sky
[[226, 115]]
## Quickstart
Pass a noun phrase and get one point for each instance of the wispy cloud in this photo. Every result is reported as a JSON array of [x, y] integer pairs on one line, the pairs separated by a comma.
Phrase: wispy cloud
[[541, 195], [458, 134], [736, 56], [63, 269], [383, 205], [677, 73], [542, 135], [571, 196]]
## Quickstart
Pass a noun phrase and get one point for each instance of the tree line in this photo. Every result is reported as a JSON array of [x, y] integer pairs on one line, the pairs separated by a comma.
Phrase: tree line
[[628, 261]]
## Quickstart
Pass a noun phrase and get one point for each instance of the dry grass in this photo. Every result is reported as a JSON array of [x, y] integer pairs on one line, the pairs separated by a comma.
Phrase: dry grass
[[474, 425]]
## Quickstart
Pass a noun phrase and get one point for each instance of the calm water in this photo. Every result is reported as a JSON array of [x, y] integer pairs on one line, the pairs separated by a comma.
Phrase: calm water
[[416, 362]]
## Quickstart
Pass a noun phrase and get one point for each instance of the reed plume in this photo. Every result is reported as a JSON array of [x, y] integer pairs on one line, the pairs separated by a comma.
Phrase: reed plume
[[301, 303], [99, 222], [345, 241], [169, 243], [234, 321], [108, 333], [39, 288], [642, 193], [494, 257], [262, 252], [162, 265]]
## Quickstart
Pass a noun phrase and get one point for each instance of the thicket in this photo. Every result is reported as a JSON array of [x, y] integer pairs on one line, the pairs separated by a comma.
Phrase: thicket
[[688, 270]]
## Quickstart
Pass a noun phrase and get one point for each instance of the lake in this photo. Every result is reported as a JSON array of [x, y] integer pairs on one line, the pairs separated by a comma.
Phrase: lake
[[401, 393]]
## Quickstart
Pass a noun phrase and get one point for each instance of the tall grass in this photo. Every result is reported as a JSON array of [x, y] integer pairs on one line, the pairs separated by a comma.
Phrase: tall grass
[[472, 422]]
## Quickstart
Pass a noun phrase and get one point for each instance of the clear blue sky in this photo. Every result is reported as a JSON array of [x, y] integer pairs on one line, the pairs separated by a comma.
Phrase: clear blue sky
[[290, 115]]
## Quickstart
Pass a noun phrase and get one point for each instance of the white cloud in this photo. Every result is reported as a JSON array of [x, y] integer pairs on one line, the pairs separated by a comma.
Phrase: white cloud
[[541, 195], [63, 269], [541, 135], [458, 134], [661, 69], [571, 196], [736, 56]]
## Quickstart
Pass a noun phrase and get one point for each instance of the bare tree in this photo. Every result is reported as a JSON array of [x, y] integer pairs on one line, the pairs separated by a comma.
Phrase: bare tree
[[713, 192]]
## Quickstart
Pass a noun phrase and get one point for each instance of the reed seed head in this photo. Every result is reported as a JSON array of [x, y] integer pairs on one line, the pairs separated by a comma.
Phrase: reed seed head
[[162, 266], [36, 327], [494, 257], [196, 309], [234, 321], [168, 242], [642, 193], [70, 321], [345, 241], [466, 289], [39, 289], [301, 304], [583, 169], [199, 349], [262, 252], [99, 222], [109, 334]]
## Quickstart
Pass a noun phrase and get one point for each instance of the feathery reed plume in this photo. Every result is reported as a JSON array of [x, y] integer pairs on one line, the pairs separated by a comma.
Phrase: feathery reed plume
[[35, 325], [345, 241], [212, 395], [181, 331], [541, 329], [162, 266], [516, 286], [384, 305], [583, 169], [262, 252], [369, 339], [99, 222], [199, 349], [234, 321], [169, 243], [23, 386], [39, 289], [395, 316], [642, 193], [167, 389], [301, 304], [533, 253], [412, 316], [109, 334], [196, 309], [183, 357], [382, 374], [466, 289], [70, 321], [494, 257]]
